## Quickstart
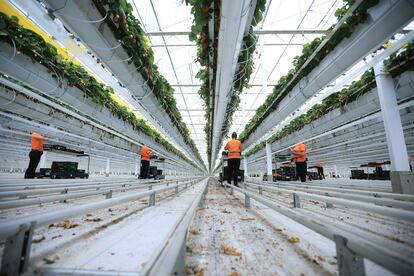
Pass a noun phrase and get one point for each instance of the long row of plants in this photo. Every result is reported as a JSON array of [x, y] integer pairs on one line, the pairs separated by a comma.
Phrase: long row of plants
[[207, 47], [287, 82], [67, 73], [396, 64], [203, 11], [127, 29]]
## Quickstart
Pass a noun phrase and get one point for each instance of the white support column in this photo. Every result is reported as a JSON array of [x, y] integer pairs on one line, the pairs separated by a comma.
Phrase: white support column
[[245, 166], [43, 160], [136, 168], [336, 171], [401, 178], [107, 167], [269, 160]]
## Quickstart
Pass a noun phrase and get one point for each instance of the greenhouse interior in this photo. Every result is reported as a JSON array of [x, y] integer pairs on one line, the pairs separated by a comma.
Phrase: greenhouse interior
[[207, 137]]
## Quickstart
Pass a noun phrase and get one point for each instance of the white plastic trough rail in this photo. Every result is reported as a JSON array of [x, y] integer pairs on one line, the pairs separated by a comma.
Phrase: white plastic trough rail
[[352, 203], [57, 187], [385, 19], [74, 188], [79, 16], [107, 191], [18, 232], [341, 191], [236, 18], [351, 245], [35, 75]]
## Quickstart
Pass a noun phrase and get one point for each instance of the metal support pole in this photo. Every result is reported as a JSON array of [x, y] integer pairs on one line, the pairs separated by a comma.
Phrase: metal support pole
[[17, 251], [328, 204], [63, 192], [349, 263], [151, 201], [107, 167], [176, 189], [231, 191], [402, 179], [245, 167], [296, 201], [269, 160], [246, 201], [260, 190], [136, 169], [108, 195], [336, 171], [43, 160]]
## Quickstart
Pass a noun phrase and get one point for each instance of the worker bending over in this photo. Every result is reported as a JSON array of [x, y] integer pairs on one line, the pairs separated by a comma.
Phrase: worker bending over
[[299, 157], [145, 162], [234, 149], [35, 154]]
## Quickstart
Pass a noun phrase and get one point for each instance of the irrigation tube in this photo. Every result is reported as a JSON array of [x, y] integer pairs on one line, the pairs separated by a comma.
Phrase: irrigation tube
[[363, 244], [381, 210], [46, 199], [13, 226]]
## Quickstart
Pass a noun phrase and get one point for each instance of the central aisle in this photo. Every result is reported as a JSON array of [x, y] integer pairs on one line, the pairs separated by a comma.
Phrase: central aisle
[[228, 239]]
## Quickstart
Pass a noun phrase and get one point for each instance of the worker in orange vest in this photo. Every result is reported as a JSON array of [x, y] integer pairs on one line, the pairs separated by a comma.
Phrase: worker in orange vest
[[35, 154], [299, 157], [234, 149], [145, 162], [319, 166]]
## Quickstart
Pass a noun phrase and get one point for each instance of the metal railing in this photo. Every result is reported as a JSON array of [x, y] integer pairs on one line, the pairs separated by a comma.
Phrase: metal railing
[[352, 245], [18, 232]]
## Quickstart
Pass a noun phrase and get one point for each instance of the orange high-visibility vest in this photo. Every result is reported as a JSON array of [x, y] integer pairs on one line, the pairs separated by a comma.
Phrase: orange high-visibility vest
[[145, 153], [299, 153], [37, 141], [234, 148]]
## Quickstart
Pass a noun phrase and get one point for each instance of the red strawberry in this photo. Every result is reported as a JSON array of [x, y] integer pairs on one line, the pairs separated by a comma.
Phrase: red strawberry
[[124, 20], [116, 19]]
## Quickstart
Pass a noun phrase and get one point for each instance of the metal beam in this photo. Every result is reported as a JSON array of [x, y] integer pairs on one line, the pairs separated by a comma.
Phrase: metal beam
[[259, 32]]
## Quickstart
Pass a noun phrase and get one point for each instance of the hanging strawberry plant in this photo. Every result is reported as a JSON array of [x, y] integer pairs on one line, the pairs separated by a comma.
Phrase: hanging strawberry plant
[[34, 46], [396, 64], [287, 82], [127, 29]]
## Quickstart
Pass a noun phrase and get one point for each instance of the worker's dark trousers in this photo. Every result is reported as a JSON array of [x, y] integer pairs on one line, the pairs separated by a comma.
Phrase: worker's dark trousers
[[34, 156], [320, 173], [234, 165], [301, 170], [143, 174]]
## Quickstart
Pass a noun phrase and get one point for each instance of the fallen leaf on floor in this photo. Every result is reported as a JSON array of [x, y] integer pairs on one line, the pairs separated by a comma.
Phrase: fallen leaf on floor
[[66, 224], [229, 250], [234, 274], [194, 231], [115, 221], [110, 210], [51, 225], [397, 239], [302, 274], [247, 218], [226, 211], [199, 273], [314, 202], [293, 239], [89, 215], [93, 220], [55, 237], [321, 258], [50, 260], [37, 240], [188, 271]]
